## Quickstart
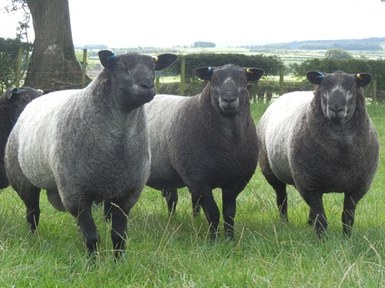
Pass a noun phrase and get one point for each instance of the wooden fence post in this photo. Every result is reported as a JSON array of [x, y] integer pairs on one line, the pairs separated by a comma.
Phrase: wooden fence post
[[182, 86], [18, 66], [374, 83], [84, 67], [281, 80], [157, 83]]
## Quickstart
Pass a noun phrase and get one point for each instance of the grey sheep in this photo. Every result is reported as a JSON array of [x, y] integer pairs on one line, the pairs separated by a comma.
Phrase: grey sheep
[[12, 103], [320, 142], [205, 141], [88, 145]]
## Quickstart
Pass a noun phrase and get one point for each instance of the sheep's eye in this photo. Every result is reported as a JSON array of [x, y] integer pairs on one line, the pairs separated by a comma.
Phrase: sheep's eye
[[120, 66]]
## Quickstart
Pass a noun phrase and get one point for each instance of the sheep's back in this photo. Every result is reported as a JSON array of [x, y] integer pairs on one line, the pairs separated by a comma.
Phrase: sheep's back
[[276, 130]]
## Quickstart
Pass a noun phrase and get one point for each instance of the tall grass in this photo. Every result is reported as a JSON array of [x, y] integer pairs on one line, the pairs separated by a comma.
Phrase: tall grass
[[177, 252]]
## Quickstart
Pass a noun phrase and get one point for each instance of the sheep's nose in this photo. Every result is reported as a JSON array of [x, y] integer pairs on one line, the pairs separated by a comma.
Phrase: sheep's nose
[[336, 109], [146, 85], [229, 100]]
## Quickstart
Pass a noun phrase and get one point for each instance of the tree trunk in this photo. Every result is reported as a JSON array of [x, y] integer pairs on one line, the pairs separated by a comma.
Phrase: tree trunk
[[53, 65]]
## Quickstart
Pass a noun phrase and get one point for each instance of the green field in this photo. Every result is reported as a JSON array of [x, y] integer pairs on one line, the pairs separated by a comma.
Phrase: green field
[[177, 252]]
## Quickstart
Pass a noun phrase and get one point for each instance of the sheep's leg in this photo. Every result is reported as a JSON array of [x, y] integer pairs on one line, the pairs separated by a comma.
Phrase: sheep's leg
[[55, 200], [278, 186], [311, 217], [211, 210], [229, 207], [171, 196], [280, 191], [24, 188], [350, 203], [87, 226], [107, 210], [281, 194], [196, 205], [31, 198], [317, 212], [120, 209]]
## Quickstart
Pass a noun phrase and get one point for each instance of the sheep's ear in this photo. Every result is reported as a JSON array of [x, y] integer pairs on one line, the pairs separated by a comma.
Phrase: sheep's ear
[[254, 74], [164, 60], [12, 93], [204, 73], [107, 58], [363, 79], [315, 77]]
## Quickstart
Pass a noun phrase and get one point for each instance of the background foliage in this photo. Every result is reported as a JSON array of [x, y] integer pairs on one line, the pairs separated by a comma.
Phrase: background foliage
[[13, 61]]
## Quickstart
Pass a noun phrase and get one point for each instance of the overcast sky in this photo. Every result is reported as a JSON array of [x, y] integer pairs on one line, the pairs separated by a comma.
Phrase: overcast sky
[[166, 23]]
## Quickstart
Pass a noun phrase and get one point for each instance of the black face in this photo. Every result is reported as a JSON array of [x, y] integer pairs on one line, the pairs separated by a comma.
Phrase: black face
[[338, 97], [134, 77], [229, 88]]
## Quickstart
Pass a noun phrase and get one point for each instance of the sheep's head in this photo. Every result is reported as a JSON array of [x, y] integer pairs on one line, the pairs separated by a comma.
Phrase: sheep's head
[[15, 100], [133, 75], [338, 93], [228, 85]]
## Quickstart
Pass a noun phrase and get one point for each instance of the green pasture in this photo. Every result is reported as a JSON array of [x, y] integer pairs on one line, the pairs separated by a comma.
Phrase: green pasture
[[177, 252]]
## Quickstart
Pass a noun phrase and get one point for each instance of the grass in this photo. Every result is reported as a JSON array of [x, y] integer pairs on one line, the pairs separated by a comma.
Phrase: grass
[[177, 252]]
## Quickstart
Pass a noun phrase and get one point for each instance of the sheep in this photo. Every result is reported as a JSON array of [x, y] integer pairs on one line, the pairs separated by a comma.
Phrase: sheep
[[320, 142], [205, 141], [88, 145], [12, 103]]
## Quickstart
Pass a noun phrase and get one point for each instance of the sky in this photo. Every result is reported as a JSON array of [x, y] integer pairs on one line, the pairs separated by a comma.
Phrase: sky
[[168, 23]]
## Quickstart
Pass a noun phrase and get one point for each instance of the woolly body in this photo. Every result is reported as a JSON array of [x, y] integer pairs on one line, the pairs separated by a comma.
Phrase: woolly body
[[205, 141], [99, 150], [88, 145], [320, 146]]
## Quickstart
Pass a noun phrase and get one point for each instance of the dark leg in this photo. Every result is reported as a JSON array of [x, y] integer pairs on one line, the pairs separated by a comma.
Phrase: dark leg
[[317, 213], [119, 211], [229, 209], [350, 203], [55, 200], [280, 190], [31, 197], [107, 210], [87, 227], [32, 204], [211, 211], [311, 218], [196, 205], [21, 184], [171, 196], [278, 186]]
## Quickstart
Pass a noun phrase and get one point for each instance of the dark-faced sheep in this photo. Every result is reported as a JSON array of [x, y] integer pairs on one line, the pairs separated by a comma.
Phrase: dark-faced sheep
[[12, 103], [88, 145], [320, 142], [205, 141]]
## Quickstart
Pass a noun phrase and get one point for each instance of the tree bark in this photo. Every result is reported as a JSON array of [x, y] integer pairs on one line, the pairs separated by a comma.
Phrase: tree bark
[[53, 65]]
